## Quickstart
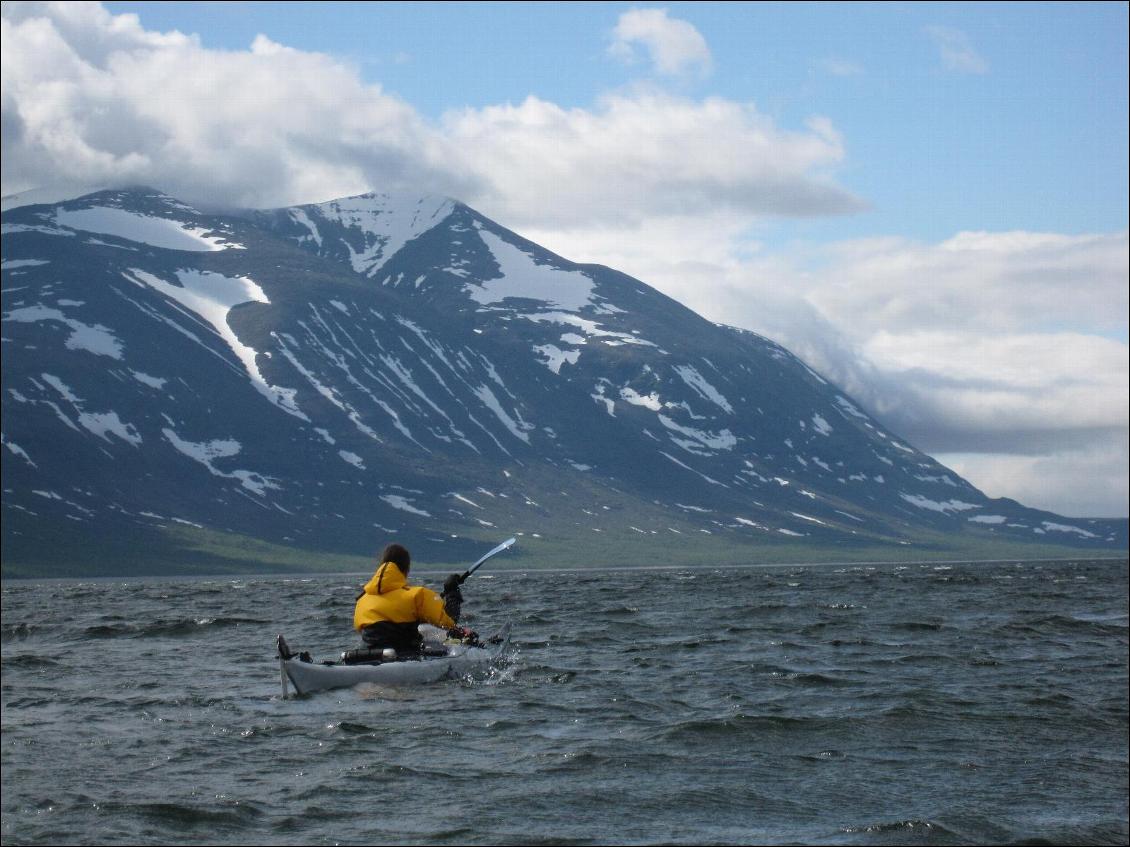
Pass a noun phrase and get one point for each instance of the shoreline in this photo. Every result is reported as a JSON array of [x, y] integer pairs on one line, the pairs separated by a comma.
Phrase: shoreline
[[438, 572]]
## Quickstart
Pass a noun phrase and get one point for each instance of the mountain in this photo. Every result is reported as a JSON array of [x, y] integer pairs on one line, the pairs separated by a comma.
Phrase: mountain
[[198, 391]]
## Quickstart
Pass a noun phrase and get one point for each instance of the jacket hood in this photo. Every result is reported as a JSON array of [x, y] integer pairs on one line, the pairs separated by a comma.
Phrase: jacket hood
[[388, 578]]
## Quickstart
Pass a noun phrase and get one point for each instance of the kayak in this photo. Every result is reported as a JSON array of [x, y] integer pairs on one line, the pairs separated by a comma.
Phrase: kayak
[[439, 660]]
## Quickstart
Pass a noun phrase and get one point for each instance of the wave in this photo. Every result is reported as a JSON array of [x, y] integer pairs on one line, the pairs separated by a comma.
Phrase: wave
[[920, 827], [29, 662], [1069, 624], [981, 830], [738, 726], [235, 814], [18, 631], [351, 728], [917, 626], [811, 678], [914, 659], [623, 611], [174, 628]]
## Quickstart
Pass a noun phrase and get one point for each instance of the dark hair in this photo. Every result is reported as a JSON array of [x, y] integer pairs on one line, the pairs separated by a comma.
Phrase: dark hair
[[398, 555]]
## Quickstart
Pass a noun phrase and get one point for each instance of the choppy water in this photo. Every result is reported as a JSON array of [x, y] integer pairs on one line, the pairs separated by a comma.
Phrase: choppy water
[[858, 705]]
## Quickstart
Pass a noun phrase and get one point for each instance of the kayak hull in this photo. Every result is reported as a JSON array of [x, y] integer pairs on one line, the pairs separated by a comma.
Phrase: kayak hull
[[460, 660]]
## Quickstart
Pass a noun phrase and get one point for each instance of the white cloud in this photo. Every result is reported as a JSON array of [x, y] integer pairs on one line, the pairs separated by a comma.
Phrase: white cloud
[[89, 97], [957, 51], [639, 155], [1012, 394], [1072, 482], [978, 280], [841, 67], [674, 46]]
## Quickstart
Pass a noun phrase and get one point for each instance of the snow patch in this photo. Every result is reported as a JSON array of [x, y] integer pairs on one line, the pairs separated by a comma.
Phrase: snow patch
[[747, 522], [208, 452], [943, 478], [212, 296], [352, 458], [156, 232], [101, 424], [590, 328], [17, 450], [1060, 527], [60, 386], [807, 518], [525, 278], [403, 504], [723, 440], [935, 506], [517, 428], [609, 403], [848, 408], [8, 229], [703, 388], [93, 338], [104, 424], [385, 222], [555, 357], [299, 216], [146, 379], [650, 401], [692, 470]]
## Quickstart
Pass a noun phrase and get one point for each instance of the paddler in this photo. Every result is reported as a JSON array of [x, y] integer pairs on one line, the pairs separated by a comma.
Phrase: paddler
[[388, 610]]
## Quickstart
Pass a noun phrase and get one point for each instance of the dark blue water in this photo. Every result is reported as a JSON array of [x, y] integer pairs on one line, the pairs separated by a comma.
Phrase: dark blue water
[[916, 704]]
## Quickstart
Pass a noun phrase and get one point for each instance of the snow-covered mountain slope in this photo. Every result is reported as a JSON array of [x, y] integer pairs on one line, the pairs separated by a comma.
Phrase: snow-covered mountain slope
[[364, 231], [328, 375]]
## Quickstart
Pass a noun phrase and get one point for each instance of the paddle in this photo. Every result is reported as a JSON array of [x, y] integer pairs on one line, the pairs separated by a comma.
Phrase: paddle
[[507, 543], [453, 597]]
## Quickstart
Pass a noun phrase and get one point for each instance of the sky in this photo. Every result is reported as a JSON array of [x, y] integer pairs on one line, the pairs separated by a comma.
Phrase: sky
[[926, 202]]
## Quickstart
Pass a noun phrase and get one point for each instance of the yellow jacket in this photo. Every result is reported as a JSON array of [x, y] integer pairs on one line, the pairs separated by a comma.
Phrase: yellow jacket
[[388, 597]]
